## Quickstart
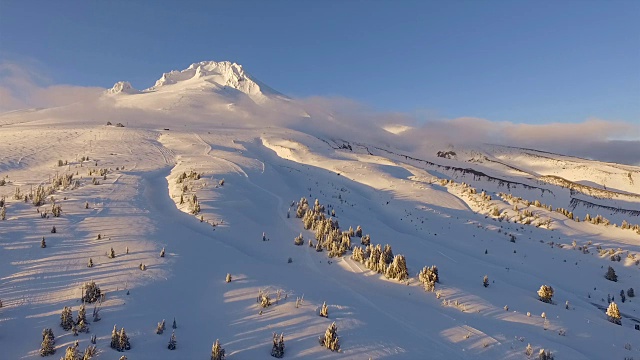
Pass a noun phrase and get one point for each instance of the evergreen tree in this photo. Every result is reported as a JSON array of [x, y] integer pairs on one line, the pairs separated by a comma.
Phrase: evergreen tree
[[358, 231], [330, 340], [90, 263], [614, 314], [92, 292], [123, 341], [162, 253], [43, 243], [611, 275], [82, 315], [324, 311], [89, 352], [277, 350], [66, 319], [48, 331], [630, 294], [485, 281], [217, 352], [228, 278], [112, 254], [160, 328], [47, 348], [545, 293], [545, 355], [398, 269], [71, 353], [174, 326], [387, 254], [528, 350], [172, 341], [115, 339]]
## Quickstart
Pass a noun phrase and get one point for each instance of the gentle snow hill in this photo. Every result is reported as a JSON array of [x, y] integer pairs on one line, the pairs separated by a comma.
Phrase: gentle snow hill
[[212, 138]]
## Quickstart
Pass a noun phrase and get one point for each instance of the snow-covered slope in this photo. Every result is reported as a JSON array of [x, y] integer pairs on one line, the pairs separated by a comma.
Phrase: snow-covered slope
[[212, 140]]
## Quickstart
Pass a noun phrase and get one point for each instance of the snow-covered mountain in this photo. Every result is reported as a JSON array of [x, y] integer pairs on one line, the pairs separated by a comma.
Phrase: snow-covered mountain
[[209, 166]]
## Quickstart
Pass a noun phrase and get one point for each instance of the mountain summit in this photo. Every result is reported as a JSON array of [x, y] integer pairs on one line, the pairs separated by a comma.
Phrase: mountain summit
[[224, 73]]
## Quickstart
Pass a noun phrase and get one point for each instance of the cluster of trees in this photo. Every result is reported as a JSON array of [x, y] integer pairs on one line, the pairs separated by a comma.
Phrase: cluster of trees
[[72, 352], [91, 292], [119, 340], [382, 261], [327, 230]]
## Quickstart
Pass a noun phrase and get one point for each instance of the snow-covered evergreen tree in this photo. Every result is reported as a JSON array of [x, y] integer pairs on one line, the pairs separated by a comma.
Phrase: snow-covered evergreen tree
[[115, 338], [330, 340], [324, 310], [528, 350], [228, 278], [358, 231], [162, 253], [545, 293], [90, 263], [217, 352], [277, 350], [630, 293], [71, 353], [43, 243], [398, 269], [160, 328], [545, 355], [123, 341], [82, 314], [92, 292], [112, 253], [611, 275], [47, 348], [66, 319], [485, 281], [172, 341], [613, 313]]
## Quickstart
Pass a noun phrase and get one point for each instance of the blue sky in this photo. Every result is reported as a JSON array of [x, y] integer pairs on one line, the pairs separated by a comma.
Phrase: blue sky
[[518, 61]]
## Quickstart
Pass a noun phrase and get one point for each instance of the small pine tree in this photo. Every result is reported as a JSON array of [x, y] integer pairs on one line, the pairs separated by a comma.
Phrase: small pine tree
[[48, 331], [528, 350], [114, 338], [66, 319], [228, 278], [614, 314], [82, 314], [630, 294], [90, 263], [123, 341], [89, 352], [330, 340], [112, 254], [71, 353], [174, 326], [43, 243], [47, 348], [545, 355], [172, 341], [485, 281], [162, 253], [217, 352], [545, 293], [277, 350], [324, 311], [160, 328], [53, 230], [92, 292], [611, 275]]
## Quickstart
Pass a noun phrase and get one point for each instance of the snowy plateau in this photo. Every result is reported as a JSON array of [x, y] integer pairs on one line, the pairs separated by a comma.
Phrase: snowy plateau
[[210, 168]]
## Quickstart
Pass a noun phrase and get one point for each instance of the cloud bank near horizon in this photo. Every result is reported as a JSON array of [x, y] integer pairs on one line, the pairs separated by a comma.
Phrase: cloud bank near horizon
[[611, 141]]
